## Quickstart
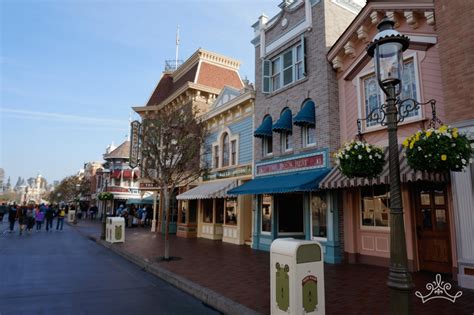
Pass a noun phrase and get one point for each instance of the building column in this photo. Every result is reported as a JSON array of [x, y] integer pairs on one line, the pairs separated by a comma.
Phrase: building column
[[256, 221], [333, 249], [153, 222]]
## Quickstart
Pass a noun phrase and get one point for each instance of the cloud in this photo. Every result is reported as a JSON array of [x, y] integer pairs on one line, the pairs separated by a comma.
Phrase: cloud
[[65, 118]]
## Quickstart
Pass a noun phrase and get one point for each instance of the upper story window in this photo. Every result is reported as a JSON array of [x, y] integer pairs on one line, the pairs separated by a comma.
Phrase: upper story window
[[267, 146], [233, 152], [285, 142], [373, 96], [284, 69], [308, 136], [225, 149], [216, 156]]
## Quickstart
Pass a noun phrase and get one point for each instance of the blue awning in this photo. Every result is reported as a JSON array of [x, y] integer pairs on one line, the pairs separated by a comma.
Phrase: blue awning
[[306, 116], [265, 129], [284, 183], [284, 124]]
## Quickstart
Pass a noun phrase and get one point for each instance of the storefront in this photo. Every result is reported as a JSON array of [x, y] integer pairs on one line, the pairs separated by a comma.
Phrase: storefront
[[287, 201], [428, 215]]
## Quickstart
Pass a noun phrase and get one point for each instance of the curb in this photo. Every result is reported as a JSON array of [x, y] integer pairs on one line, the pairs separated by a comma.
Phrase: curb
[[207, 296]]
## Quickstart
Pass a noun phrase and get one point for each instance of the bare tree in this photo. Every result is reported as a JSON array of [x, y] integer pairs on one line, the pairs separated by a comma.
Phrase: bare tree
[[172, 142], [67, 189]]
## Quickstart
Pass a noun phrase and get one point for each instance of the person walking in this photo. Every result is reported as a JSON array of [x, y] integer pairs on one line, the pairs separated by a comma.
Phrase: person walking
[[30, 218], [39, 219], [3, 210], [12, 216], [21, 216], [60, 220], [49, 215]]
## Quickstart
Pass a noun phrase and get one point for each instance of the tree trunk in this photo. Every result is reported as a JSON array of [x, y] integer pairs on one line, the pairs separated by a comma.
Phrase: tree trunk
[[166, 211]]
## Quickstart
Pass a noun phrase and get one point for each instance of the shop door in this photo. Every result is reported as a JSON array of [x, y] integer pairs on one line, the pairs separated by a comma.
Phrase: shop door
[[432, 229]]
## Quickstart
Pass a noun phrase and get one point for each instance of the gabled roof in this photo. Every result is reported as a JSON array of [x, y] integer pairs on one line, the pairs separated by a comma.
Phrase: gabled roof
[[121, 152], [225, 96], [203, 68]]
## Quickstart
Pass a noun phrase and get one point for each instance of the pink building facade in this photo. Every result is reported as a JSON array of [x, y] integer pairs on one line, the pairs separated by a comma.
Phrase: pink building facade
[[427, 199]]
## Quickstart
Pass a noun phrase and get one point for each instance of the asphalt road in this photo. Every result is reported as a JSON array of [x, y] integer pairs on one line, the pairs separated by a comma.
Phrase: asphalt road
[[66, 273]]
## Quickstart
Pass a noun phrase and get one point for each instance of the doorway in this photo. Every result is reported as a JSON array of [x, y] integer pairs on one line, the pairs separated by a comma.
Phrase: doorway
[[432, 228]]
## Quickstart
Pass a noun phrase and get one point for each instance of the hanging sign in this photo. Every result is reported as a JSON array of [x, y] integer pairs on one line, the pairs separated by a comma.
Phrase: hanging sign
[[135, 127]]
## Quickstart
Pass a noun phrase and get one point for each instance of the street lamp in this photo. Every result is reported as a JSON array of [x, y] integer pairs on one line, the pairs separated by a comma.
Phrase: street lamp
[[78, 188], [387, 50]]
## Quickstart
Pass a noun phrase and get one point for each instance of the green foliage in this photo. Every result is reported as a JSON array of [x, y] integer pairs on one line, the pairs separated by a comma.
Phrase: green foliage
[[105, 196], [360, 159], [438, 150]]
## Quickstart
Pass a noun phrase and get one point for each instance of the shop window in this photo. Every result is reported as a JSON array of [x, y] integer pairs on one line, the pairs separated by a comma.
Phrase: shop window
[[319, 216], [267, 146], [208, 205], [233, 152], [374, 96], [375, 206], [308, 136], [225, 149], [290, 213], [192, 209], [286, 145], [182, 215], [231, 211], [220, 210], [266, 214]]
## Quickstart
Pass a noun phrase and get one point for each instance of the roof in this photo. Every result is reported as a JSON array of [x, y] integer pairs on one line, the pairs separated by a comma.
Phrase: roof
[[215, 189], [121, 152]]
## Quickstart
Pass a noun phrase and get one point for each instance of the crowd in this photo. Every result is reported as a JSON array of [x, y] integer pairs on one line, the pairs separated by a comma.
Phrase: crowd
[[33, 216], [134, 216]]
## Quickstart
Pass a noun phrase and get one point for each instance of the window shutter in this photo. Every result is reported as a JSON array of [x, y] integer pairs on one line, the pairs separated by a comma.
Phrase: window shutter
[[266, 74], [303, 46]]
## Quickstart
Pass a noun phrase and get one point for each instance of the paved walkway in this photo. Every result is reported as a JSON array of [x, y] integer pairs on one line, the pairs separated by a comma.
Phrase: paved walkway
[[242, 274], [65, 273]]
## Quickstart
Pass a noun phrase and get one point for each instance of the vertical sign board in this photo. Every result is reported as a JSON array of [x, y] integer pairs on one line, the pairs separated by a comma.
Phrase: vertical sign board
[[135, 127]]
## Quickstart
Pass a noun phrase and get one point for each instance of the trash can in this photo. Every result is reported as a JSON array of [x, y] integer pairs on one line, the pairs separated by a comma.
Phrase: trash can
[[71, 214], [115, 230], [296, 277]]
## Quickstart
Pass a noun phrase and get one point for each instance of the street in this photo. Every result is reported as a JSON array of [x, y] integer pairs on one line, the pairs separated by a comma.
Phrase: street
[[66, 273]]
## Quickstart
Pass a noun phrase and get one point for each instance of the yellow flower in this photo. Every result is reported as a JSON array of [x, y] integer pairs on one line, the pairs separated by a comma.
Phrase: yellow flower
[[444, 157], [455, 134], [443, 128], [428, 133], [412, 144], [455, 130], [405, 143]]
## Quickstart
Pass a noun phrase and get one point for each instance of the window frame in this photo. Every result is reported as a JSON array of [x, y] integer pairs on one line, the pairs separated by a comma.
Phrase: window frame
[[267, 142], [361, 208], [305, 131], [409, 57], [233, 152], [324, 198], [286, 144], [272, 211]]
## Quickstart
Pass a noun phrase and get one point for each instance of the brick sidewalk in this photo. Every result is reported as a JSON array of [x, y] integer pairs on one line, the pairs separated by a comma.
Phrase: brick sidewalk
[[242, 275]]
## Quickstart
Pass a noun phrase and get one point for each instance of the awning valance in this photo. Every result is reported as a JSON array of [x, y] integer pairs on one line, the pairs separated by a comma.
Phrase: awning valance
[[284, 183], [335, 179], [285, 123], [136, 201], [306, 116], [265, 129], [217, 189]]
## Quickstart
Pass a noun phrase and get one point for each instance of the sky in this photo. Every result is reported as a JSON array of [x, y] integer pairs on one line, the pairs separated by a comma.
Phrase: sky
[[70, 70]]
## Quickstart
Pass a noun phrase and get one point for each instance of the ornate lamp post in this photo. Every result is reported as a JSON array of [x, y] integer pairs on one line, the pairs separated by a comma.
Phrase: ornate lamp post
[[78, 188], [387, 50]]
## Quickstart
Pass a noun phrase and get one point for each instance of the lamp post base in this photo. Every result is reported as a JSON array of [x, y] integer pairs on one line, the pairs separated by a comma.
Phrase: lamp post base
[[153, 225]]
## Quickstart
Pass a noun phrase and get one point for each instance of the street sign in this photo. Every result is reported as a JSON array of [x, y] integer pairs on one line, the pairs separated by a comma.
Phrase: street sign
[[135, 128]]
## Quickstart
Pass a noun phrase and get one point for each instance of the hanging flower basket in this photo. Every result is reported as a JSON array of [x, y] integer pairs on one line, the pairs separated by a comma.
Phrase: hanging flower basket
[[360, 159], [106, 196], [438, 150]]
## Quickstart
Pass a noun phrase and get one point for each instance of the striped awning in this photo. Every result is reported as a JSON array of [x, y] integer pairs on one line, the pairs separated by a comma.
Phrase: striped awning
[[335, 179], [216, 189]]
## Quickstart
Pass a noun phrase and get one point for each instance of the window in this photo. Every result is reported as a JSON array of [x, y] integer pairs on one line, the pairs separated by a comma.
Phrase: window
[[225, 149], [284, 69], [319, 216], [266, 214], [233, 152], [192, 206], [208, 205], [216, 156], [231, 211], [308, 136], [375, 206], [285, 141], [373, 94], [220, 210], [267, 146]]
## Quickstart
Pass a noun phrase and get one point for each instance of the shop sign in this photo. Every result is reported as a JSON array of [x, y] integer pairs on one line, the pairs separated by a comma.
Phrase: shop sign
[[306, 162], [135, 127], [233, 172], [148, 185], [117, 189]]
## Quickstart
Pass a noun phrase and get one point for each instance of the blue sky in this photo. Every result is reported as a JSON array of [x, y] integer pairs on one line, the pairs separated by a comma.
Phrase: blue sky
[[72, 70]]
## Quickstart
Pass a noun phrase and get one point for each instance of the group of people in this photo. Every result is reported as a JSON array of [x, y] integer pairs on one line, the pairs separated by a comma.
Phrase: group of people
[[135, 216], [31, 215]]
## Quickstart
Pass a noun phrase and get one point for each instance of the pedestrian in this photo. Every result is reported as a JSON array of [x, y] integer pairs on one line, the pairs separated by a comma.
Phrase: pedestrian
[[94, 211], [119, 210], [60, 220], [12, 216], [21, 216], [49, 215], [30, 218], [3, 210], [39, 219]]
